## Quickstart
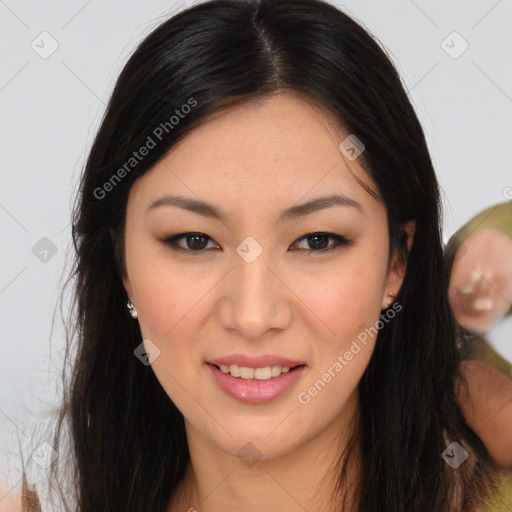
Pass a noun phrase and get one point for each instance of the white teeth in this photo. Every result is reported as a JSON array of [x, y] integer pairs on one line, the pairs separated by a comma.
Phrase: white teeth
[[483, 304], [263, 373], [275, 371], [244, 372]]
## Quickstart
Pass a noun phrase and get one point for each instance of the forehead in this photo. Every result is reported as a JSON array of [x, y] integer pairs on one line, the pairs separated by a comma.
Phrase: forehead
[[260, 151]]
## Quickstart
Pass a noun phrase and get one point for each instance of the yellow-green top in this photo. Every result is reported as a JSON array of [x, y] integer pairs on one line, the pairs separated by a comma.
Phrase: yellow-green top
[[501, 501]]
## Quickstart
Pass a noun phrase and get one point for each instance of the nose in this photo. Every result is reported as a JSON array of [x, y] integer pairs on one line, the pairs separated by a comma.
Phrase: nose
[[257, 299]]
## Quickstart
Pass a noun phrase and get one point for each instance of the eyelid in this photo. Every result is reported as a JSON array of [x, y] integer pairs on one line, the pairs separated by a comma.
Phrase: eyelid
[[172, 242], [340, 241]]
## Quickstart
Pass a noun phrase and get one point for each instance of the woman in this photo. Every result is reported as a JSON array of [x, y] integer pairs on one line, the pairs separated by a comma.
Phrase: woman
[[479, 256], [261, 192]]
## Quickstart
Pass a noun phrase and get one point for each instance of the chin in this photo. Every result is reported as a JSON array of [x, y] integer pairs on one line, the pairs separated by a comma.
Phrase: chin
[[478, 322], [253, 448]]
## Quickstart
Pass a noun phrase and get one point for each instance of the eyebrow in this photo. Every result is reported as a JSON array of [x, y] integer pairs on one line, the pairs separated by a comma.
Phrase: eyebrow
[[208, 210]]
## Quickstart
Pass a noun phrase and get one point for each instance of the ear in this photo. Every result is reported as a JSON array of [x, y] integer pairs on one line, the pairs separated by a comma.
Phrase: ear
[[396, 272], [128, 287], [409, 230]]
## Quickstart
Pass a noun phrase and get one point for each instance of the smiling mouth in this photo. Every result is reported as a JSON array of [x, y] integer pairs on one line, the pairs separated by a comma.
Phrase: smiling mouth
[[262, 373]]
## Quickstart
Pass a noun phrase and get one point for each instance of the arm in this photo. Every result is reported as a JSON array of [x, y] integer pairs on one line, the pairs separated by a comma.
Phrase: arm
[[488, 408]]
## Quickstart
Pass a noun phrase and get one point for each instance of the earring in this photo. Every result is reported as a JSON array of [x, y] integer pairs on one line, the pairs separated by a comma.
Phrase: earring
[[391, 299], [132, 310]]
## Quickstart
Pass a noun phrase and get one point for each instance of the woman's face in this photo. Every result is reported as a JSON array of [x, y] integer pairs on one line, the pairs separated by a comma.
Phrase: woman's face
[[481, 279], [250, 290]]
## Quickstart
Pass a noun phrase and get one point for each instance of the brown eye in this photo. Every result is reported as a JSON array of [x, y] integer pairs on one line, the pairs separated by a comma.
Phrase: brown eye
[[197, 243], [319, 242], [194, 242]]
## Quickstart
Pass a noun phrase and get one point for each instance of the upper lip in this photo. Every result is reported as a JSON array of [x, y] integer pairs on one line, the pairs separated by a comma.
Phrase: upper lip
[[259, 361]]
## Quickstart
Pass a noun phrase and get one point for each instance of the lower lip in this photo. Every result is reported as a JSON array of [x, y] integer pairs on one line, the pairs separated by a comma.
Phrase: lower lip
[[253, 391]]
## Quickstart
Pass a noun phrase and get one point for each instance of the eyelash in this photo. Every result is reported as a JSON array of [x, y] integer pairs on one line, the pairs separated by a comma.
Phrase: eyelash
[[172, 242]]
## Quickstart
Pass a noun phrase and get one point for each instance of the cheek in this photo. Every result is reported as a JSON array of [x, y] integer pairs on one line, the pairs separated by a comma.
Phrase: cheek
[[353, 320], [157, 300], [351, 305], [462, 271], [348, 297], [163, 291], [168, 316]]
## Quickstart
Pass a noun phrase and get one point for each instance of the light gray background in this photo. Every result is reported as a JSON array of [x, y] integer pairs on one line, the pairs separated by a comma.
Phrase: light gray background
[[51, 108]]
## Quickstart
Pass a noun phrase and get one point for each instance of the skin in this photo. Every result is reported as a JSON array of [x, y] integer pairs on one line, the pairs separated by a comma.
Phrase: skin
[[487, 407], [10, 501], [196, 308], [480, 294], [481, 279], [253, 161]]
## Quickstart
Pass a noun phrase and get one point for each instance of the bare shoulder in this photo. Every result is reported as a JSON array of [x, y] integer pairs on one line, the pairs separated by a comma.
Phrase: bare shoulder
[[487, 384], [15, 499], [10, 499], [488, 408]]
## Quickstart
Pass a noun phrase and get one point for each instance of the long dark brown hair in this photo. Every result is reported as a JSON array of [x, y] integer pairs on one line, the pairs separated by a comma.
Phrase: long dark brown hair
[[127, 449]]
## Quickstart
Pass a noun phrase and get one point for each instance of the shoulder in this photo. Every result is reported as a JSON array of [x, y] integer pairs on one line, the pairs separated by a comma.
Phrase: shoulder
[[14, 499], [10, 499], [488, 408]]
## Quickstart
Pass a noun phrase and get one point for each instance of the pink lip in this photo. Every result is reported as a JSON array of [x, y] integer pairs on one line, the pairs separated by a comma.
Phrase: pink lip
[[253, 391], [261, 361]]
